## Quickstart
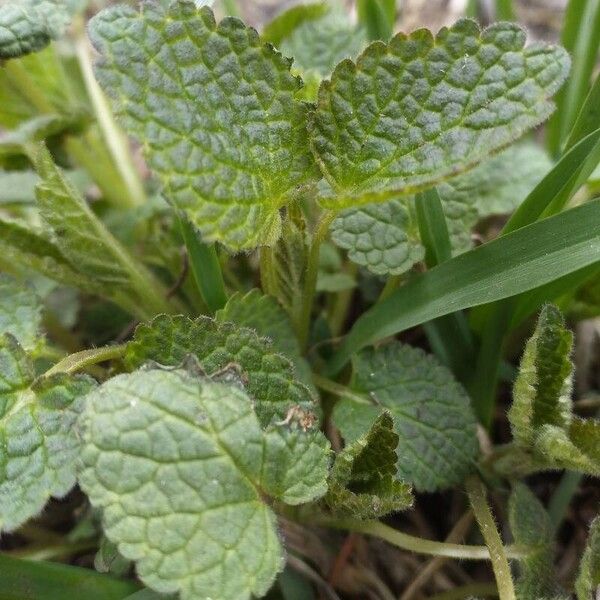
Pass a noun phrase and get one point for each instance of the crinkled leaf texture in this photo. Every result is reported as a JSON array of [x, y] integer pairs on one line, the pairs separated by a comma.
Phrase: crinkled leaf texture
[[268, 319], [384, 236], [541, 415], [268, 376], [215, 111], [38, 444], [181, 467], [28, 26], [20, 312], [531, 527], [420, 109], [432, 414], [588, 581], [363, 481]]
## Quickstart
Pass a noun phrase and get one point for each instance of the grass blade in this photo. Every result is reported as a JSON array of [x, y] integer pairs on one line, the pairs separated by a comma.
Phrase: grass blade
[[589, 116], [558, 186], [513, 264], [205, 266], [581, 37], [449, 336], [378, 18], [29, 580]]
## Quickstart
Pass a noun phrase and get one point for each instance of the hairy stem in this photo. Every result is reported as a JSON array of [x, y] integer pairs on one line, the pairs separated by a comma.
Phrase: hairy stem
[[487, 525], [417, 544], [81, 360]]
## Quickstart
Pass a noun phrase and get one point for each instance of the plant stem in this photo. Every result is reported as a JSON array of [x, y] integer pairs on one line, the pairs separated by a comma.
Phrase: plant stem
[[391, 285], [205, 266], [312, 271], [559, 503], [112, 135], [19, 77], [81, 360], [338, 389], [471, 590], [416, 544], [487, 525]]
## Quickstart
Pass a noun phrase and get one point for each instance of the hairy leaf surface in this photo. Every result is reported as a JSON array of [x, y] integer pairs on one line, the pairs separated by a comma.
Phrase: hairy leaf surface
[[269, 376], [588, 581], [432, 414], [268, 319], [363, 481], [28, 26], [20, 312], [382, 237], [181, 467], [215, 111], [420, 109], [531, 527], [38, 444], [542, 391]]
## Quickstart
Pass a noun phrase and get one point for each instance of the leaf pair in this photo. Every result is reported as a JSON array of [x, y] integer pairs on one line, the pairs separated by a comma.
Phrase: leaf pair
[[222, 126], [541, 416]]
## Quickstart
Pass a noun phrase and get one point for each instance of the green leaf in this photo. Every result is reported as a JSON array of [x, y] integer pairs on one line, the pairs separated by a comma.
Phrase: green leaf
[[284, 24], [418, 110], [289, 268], [331, 276], [20, 312], [181, 467], [269, 376], [88, 245], [219, 124], [515, 263], [382, 237], [363, 482], [496, 187], [268, 319], [28, 26], [542, 390], [531, 527], [432, 414], [30, 249], [38, 444], [318, 45], [588, 581], [39, 580]]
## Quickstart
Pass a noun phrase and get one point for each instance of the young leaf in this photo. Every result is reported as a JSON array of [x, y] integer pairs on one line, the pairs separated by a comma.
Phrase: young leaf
[[215, 111], [531, 528], [20, 312], [38, 445], [588, 581], [269, 377], [181, 468], [541, 416], [268, 319], [28, 26], [363, 482], [382, 237], [413, 112], [542, 391], [432, 414]]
